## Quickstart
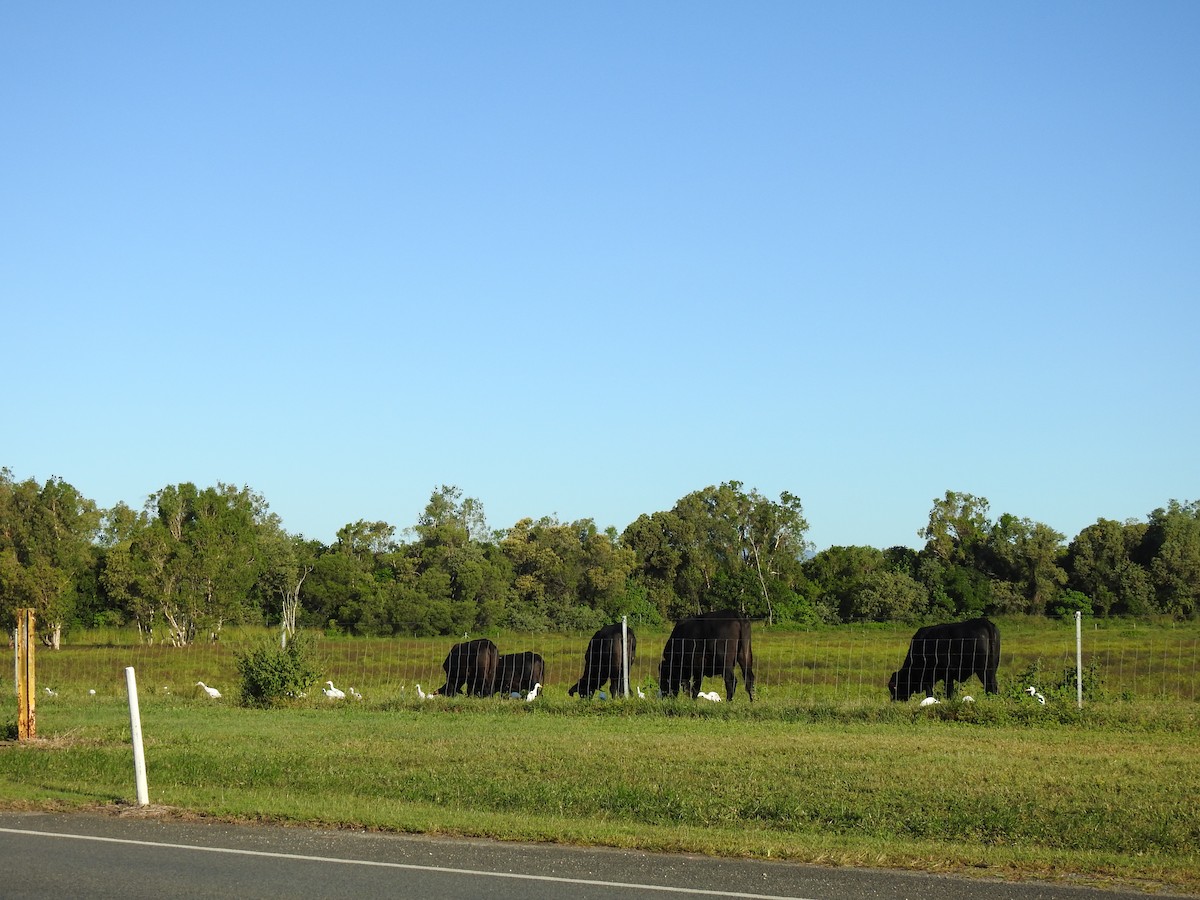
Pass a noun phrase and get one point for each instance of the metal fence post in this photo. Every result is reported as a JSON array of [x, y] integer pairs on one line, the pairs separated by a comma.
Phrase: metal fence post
[[625, 654], [1079, 657]]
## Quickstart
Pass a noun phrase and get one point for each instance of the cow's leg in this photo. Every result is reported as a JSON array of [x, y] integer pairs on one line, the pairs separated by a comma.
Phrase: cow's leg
[[730, 683], [696, 679], [949, 685]]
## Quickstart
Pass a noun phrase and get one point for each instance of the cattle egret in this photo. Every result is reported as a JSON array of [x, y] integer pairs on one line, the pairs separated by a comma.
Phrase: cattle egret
[[333, 693], [421, 693], [533, 694], [212, 692], [355, 694], [929, 701], [711, 695], [641, 694], [51, 693], [1031, 691], [968, 699], [1041, 698], [92, 692]]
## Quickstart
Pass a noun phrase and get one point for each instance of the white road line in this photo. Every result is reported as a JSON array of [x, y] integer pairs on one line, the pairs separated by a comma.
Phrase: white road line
[[701, 892]]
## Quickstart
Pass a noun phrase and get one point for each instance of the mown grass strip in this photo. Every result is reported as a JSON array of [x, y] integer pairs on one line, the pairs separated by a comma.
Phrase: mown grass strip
[[995, 785]]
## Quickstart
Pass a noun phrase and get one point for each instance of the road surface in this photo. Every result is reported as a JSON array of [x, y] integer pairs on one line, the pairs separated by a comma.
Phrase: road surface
[[139, 855]]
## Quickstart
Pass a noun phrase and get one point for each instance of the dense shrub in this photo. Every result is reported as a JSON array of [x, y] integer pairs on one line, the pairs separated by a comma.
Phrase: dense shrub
[[269, 674]]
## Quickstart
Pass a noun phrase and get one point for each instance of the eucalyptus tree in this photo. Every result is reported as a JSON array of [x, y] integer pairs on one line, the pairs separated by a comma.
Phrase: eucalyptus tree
[[721, 545], [192, 562], [48, 539]]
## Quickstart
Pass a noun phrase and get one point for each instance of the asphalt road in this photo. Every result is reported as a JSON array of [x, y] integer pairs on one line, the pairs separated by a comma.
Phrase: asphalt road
[[140, 855]]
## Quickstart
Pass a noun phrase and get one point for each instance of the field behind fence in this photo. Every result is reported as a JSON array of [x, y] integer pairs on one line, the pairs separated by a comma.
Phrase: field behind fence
[[1123, 660]]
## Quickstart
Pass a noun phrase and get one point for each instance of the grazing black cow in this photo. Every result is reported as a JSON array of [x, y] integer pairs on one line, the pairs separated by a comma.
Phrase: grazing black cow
[[948, 653], [471, 663], [602, 661], [707, 645], [519, 672]]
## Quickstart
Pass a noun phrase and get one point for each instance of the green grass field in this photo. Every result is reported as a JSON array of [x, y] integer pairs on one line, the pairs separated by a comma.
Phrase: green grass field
[[823, 768]]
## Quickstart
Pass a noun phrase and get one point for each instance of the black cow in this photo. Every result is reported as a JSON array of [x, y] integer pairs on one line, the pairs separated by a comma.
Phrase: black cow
[[707, 645], [948, 653], [519, 672], [602, 661], [471, 663]]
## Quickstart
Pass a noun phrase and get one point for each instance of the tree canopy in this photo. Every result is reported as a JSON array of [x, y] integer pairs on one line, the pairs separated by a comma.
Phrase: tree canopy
[[194, 559]]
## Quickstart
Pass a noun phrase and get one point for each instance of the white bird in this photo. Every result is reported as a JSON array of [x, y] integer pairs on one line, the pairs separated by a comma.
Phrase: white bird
[[212, 692], [929, 701], [355, 694], [533, 694], [333, 693], [711, 695], [641, 694], [1041, 698], [1031, 691], [51, 693], [968, 699], [421, 693], [92, 692]]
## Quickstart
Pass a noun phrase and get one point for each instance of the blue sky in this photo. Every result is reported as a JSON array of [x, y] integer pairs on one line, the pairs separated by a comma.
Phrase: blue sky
[[581, 260]]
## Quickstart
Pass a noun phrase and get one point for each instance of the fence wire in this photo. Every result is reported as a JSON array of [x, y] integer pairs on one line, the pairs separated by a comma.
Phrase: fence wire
[[849, 663]]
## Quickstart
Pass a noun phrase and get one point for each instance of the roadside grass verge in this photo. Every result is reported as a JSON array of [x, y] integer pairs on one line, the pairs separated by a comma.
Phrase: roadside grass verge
[[999, 787]]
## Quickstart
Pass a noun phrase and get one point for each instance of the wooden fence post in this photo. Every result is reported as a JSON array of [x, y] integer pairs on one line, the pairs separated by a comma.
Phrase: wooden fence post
[[26, 677]]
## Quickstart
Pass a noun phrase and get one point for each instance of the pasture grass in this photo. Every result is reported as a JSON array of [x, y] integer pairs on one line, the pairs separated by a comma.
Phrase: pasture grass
[[821, 769]]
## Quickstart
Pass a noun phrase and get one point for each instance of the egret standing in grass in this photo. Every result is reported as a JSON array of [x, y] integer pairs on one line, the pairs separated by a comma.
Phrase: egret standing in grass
[[211, 691], [333, 693], [533, 694], [421, 693], [355, 694]]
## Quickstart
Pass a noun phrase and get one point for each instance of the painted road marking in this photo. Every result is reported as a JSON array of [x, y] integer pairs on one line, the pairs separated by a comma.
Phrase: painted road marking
[[699, 892]]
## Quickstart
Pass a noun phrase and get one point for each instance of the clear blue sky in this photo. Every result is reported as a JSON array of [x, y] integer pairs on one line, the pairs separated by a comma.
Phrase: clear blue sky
[[583, 259]]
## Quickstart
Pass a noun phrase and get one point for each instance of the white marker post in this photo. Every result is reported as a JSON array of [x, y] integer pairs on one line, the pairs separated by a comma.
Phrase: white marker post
[[135, 728], [625, 654]]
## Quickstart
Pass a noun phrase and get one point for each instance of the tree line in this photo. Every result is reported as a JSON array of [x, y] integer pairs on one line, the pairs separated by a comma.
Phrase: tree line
[[193, 560]]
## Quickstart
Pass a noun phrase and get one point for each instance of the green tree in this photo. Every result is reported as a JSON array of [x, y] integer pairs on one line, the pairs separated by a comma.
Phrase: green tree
[[48, 535], [1172, 542], [722, 545], [1102, 564]]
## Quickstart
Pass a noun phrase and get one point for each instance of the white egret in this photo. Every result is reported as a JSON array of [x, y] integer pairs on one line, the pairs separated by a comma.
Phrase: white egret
[[533, 694], [968, 699], [1041, 698], [50, 693], [711, 695], [421, 693], [211, 691], [641, 694], [930, 701], [333, 693], [92, 692], [355, 694]]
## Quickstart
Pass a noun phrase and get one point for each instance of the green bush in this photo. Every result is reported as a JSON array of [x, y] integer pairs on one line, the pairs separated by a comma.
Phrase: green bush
[[269, 674]]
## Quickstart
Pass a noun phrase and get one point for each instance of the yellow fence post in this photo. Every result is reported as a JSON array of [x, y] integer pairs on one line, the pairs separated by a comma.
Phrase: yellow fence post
[[26, 677]]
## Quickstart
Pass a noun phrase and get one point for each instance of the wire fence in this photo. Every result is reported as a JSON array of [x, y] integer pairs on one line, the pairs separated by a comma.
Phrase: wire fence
[[1127, 662]]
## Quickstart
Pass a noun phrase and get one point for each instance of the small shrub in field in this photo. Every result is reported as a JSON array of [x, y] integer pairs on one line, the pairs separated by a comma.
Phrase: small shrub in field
[[269, 674]]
